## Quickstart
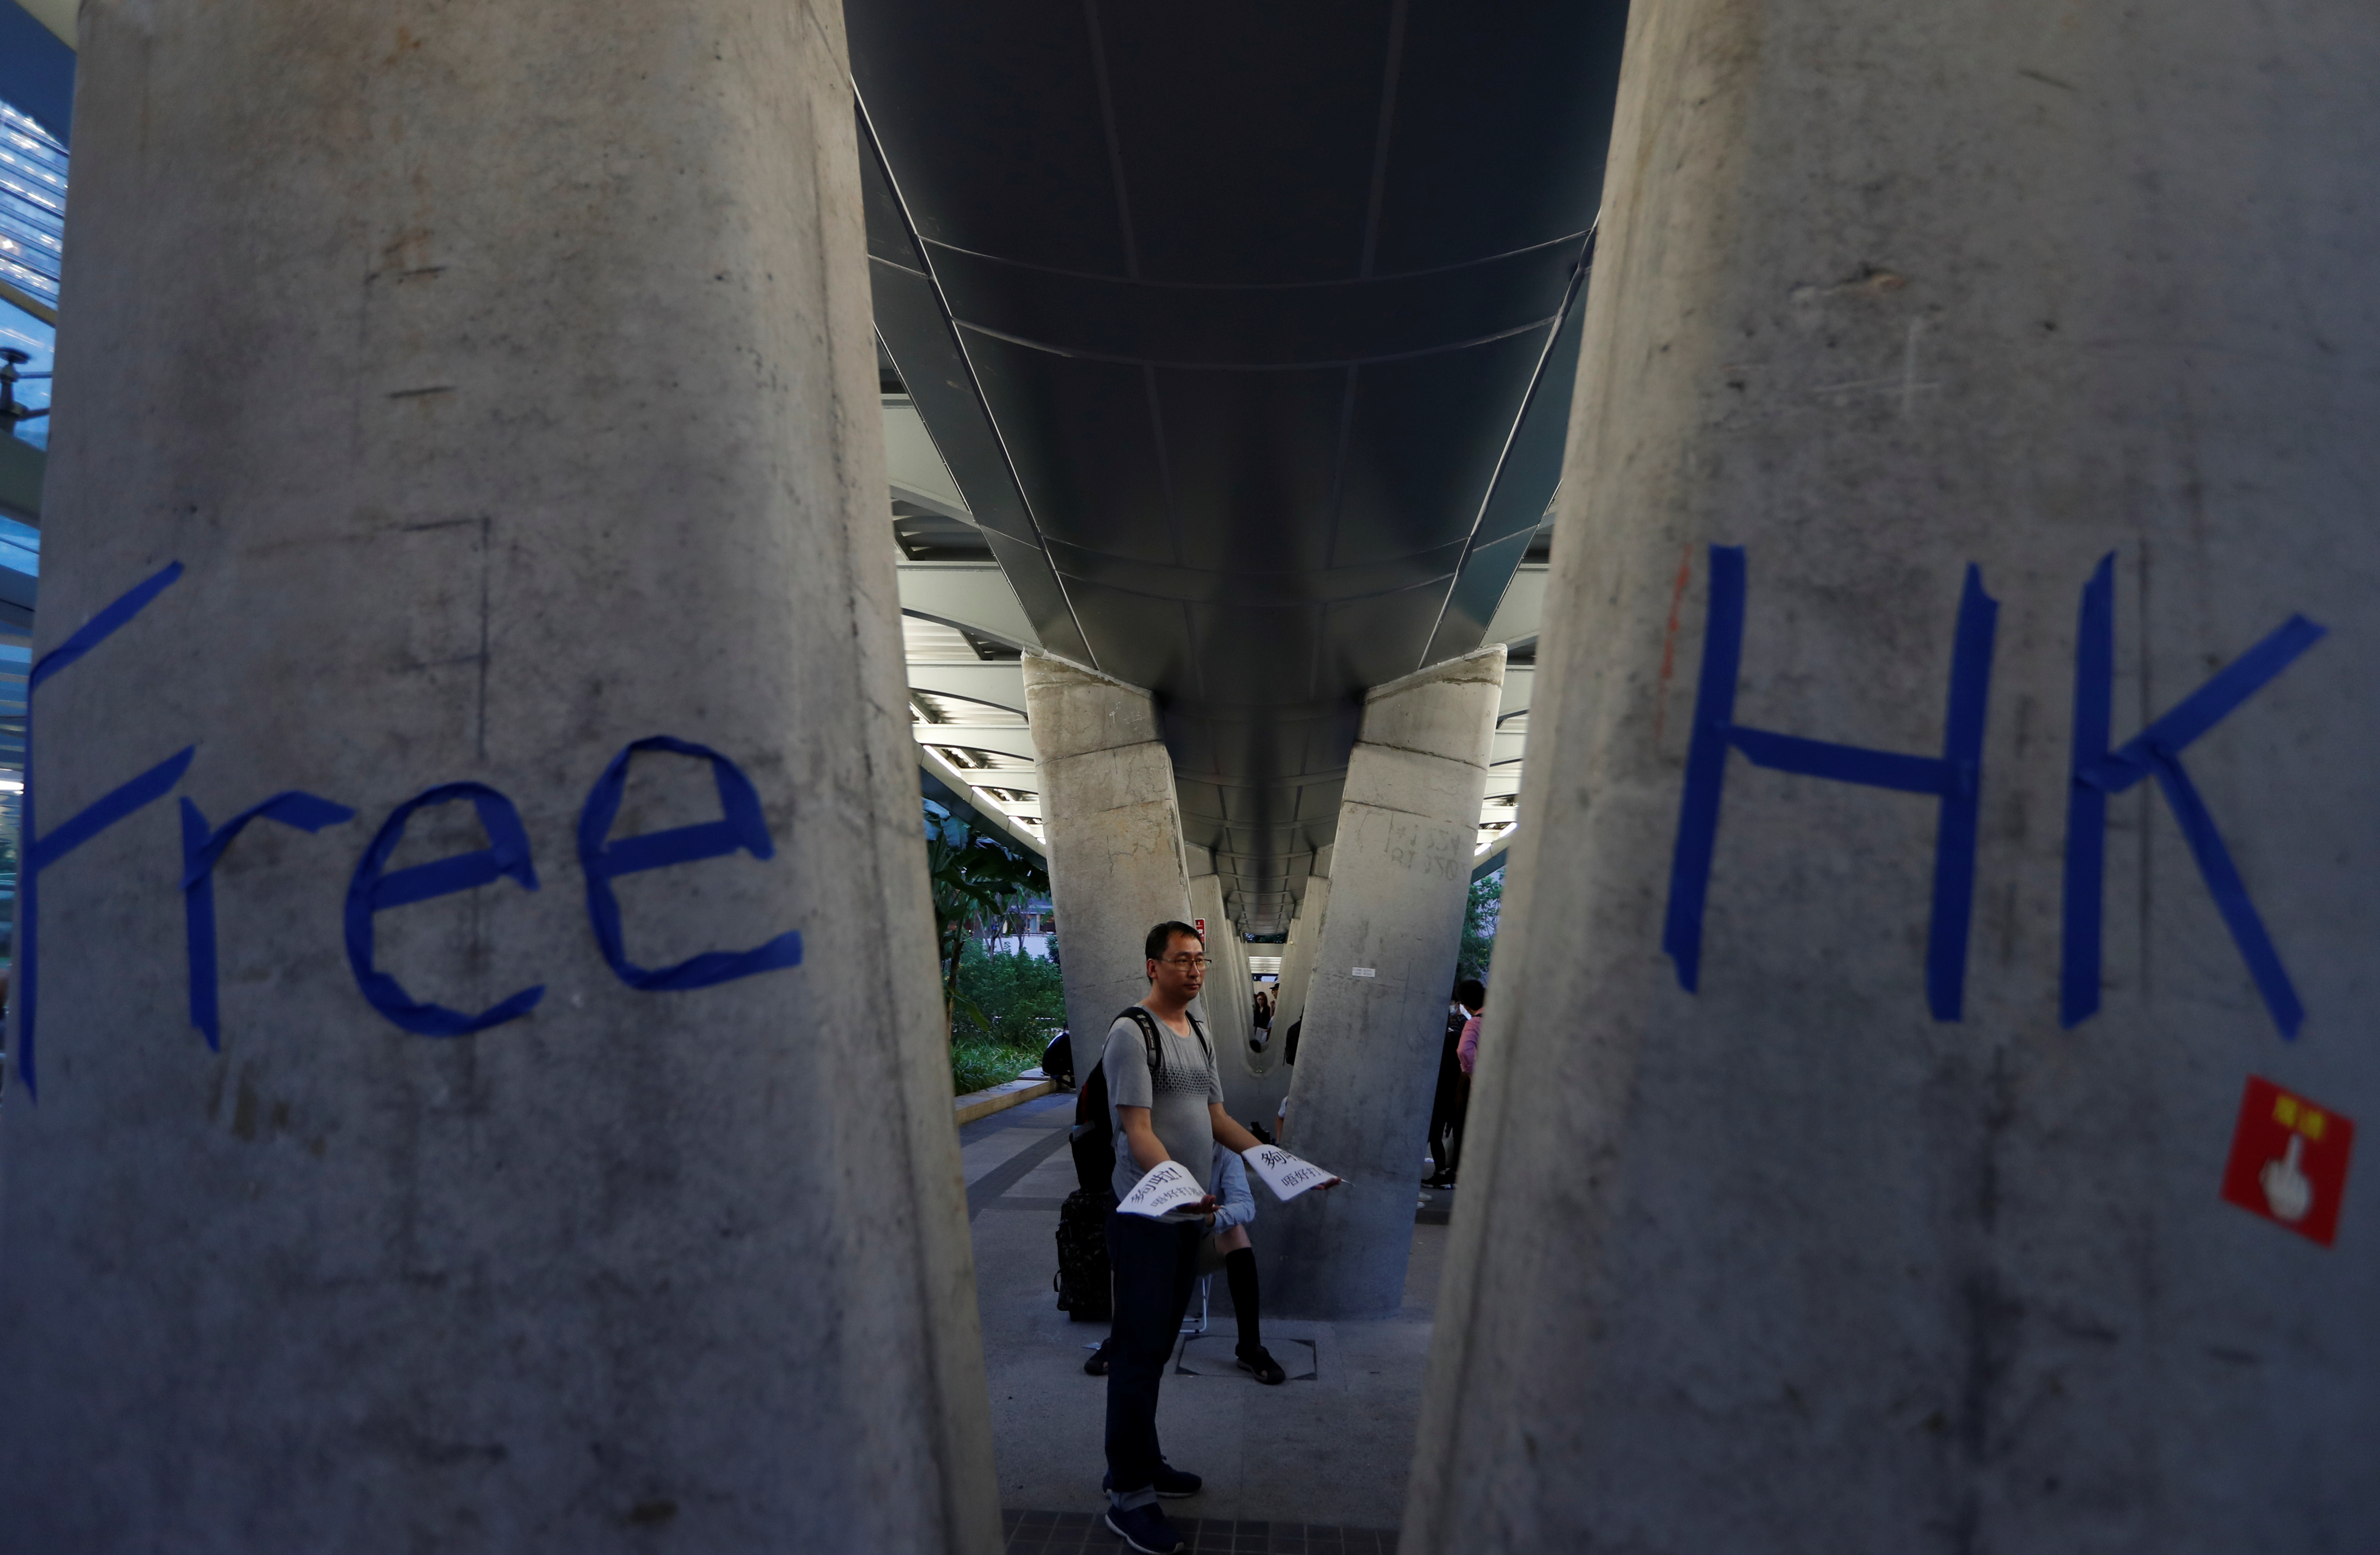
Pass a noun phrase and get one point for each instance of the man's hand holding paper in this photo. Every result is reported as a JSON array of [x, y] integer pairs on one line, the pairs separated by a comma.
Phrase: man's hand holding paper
[[1285, 1175], [1166, 1192]]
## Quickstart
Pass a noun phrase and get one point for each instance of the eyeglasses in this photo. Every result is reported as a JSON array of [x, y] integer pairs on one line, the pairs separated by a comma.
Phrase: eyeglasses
[[1185, 961]]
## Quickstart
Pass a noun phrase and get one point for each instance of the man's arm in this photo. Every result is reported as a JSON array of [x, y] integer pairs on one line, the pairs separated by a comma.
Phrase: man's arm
[[1146, 1149], [1229, 1134], [1240, 1141]]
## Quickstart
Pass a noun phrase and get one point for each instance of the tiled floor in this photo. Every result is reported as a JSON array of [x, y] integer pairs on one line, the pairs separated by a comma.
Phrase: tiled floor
[[1065, 1532]]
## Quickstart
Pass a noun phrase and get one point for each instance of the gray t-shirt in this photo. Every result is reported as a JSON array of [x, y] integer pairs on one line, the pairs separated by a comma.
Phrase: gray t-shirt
[[1176, 1099]]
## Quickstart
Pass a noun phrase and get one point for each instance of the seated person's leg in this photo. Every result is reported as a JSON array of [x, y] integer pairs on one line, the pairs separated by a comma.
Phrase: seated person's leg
[[1240, 1270]]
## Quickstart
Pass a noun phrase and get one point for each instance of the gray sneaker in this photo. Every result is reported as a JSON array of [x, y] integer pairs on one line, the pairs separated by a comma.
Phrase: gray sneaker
[[1145, 1530]]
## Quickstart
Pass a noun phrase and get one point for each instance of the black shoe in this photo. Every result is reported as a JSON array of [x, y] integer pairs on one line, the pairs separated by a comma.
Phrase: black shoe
[[1097, 1364], [1145, 1530], [1170, 1482], [1260, 1362]]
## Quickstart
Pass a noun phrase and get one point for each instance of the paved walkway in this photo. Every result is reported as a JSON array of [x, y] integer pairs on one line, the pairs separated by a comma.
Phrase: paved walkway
[[1315, 1467]]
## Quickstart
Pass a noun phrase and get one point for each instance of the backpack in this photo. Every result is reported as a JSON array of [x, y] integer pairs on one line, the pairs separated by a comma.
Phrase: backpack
[[1093, 1136], [1082, 1278], [1058, 1060]]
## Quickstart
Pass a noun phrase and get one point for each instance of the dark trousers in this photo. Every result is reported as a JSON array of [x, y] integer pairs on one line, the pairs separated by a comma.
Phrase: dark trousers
[[1446, 1114], [1154, 1265]]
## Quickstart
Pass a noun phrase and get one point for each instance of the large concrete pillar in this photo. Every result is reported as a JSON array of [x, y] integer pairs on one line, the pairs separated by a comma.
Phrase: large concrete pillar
[[1225, 1007], [1376, 998], [1298, 955], [479, 390], [1844, 1170], [1108, 807]]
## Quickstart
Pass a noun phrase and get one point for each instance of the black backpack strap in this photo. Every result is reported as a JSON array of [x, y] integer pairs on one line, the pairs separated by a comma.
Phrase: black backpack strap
[[1140, 1017], [1147, 1023]]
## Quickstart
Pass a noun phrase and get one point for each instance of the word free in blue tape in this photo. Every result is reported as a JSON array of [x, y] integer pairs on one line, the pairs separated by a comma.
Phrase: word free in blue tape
[[741, 827], [373, 891]]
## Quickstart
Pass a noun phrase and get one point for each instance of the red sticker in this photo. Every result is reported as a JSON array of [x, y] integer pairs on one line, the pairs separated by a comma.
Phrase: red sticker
[[1202, 927], [2288, 1160]]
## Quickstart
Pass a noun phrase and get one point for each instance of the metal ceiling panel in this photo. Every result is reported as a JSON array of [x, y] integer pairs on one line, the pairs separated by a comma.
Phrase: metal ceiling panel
[[1235, 314]]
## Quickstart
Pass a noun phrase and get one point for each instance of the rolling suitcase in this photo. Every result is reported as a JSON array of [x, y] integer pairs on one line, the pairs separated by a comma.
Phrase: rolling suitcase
[[1082, 1278]]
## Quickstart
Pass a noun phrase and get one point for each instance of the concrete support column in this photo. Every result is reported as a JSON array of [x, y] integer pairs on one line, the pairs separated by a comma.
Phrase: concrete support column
[[1225, 1006], [478, 390], [1846, 1168], [1252, 1084], [1297, 951], [1375, 999], [1108, 806]]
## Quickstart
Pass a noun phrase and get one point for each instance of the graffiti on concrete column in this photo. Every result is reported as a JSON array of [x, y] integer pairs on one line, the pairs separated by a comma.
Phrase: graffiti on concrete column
[[1956, 777], [372, 888]]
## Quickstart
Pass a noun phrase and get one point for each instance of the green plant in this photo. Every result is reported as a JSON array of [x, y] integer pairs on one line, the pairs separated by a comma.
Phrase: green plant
[[1023, 998], [979, 1062], [1479, 915], [974, 879], [1018, 1001]]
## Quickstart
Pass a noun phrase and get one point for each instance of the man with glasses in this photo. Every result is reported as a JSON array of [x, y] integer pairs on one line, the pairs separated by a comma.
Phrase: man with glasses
[[1170, 1110]]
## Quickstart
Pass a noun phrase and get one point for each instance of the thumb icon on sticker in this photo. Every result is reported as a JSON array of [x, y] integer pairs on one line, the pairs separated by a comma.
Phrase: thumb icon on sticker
[[2286, 1188]]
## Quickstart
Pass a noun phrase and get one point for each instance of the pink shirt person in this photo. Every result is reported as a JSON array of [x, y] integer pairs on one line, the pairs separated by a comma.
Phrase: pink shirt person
[[1466, 1049]]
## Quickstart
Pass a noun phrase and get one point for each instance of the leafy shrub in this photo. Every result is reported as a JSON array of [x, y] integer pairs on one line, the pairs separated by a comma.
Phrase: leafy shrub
[[978, 1064], [1022, 1002]]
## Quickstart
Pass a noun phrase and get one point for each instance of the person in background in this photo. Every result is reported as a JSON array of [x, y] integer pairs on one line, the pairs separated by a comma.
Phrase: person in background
[[1472, 994], [1288, 1056], [1446, 1101]]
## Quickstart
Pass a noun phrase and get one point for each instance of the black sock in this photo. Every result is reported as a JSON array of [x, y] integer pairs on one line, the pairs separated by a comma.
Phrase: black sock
[[1240, 1269]]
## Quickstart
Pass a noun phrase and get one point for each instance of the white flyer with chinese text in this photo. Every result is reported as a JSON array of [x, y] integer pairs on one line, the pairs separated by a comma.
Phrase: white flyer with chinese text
[[1285, 1175], [1162, 1189]]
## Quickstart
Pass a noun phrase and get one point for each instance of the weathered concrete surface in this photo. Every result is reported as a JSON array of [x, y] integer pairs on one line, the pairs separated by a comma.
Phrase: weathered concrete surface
[[1297, 951], [503, 377], [1227, 1006], [1787, 1264], [1376, 996], [1272, 1065], [1108, 806]]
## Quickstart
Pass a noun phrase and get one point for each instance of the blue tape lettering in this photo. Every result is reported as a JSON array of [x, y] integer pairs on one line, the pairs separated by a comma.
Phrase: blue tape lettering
[[372, 891], [201, 848], [742, 828], [2098, 773], [40, 851], [1956, 777]]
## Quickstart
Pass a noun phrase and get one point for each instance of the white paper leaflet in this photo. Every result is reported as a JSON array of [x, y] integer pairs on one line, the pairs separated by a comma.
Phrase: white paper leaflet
[[1165, 1188], [1285, 1175]]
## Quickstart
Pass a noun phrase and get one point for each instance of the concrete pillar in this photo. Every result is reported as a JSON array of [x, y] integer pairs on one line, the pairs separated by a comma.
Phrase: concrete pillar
[[1225, 1006], [1108, 807], [487, 388], [1297, 954], [1375, 999], [1763, 1242]]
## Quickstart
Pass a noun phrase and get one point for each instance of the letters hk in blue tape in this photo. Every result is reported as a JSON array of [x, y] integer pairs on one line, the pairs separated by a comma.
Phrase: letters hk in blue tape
[[2097, 771], [1955, 778]]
